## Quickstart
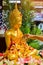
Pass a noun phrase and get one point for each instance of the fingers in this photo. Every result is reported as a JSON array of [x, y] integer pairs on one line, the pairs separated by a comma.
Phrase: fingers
[[27, 36]]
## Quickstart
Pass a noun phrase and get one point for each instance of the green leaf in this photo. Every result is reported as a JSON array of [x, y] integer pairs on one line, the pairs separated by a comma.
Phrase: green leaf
[[38, 31], [35, 44]]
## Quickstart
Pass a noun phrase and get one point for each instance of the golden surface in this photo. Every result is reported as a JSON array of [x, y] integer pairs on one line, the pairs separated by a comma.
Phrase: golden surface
[[16, 44]]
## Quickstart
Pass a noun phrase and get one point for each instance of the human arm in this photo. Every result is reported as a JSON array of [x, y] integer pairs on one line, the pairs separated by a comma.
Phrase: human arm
[[39, 37], [30, 36]]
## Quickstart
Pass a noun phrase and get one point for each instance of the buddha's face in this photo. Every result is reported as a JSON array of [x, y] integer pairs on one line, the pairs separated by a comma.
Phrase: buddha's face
[[17, 21]]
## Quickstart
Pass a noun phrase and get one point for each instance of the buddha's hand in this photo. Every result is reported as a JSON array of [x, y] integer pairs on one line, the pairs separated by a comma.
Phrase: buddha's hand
[[28, 36]]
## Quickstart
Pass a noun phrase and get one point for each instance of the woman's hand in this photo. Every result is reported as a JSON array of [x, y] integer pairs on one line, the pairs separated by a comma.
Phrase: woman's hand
[[28, 36]]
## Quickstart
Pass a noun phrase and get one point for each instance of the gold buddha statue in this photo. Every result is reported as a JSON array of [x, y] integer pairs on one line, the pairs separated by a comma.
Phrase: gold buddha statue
[[15, 41], [14, 33]]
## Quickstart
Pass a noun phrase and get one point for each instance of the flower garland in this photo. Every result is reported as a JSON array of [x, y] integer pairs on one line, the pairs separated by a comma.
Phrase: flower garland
[[21, 61]]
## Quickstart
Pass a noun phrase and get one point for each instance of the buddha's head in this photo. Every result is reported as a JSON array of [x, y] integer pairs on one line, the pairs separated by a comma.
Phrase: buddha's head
[[15, 18]]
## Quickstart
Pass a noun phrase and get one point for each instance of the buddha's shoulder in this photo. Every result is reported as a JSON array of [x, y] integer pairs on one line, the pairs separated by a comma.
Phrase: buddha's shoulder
[[8, 32]]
